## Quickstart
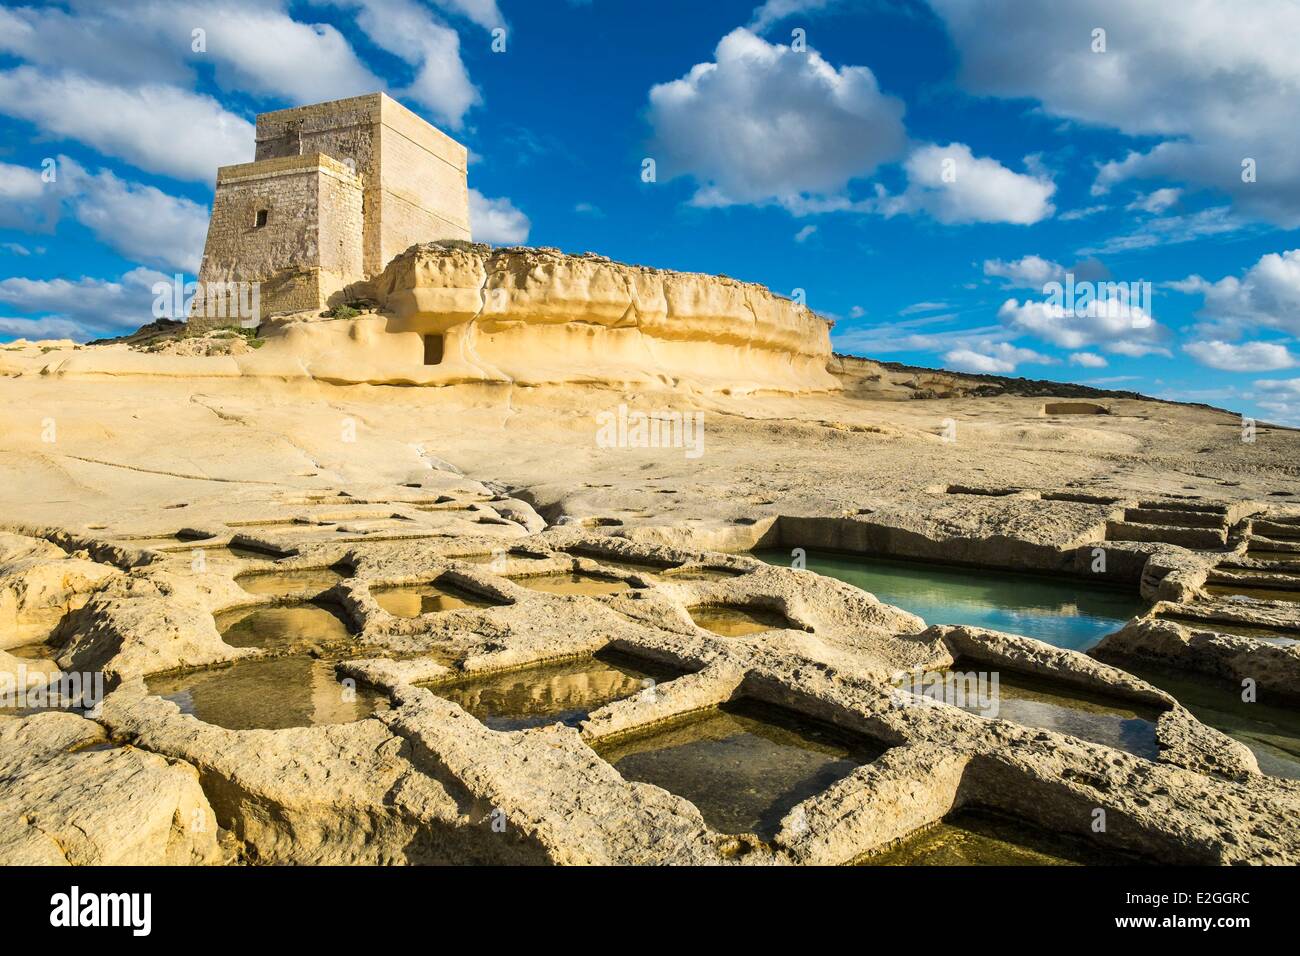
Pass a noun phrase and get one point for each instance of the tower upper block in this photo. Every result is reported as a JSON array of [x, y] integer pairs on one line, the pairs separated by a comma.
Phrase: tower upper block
[[413, 176]]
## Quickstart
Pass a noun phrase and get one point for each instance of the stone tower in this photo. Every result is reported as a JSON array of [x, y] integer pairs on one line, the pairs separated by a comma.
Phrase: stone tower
[[336, 190]]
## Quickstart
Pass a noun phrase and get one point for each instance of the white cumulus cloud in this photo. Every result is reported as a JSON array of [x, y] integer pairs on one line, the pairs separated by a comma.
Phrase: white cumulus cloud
[[1214, 81], [140, 222], [144, 223], [1156, 201], [482, 12], [1027, 272], [158, 128], [1267, 294], [252, 45], [1282, 398], [954, 186], [94, 305], [1112, 325], [408, 30], [496, 220], [1246, 357], [1088, 360], [27, 201], [1000, 358], [762, 123], [774, 11], [45, 328]]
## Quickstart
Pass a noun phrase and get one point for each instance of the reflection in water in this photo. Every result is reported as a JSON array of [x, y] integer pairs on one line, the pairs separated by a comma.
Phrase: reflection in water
[[309, 580], [742, 765], [412, 600], [1034, 702], [576, 583], [281, 626], [731, 620], [1272, 733], [974, 838], [1067, 612], [297, 691], [566, 692]]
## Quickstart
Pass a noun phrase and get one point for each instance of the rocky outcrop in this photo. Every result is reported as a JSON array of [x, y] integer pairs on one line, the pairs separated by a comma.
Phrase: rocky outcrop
[[458, 313], [461, 313], [425, 782], [145, 624], [1274, 669], [39, 584], [147, 473], [70, 798], [346, 793], [1184, 741]]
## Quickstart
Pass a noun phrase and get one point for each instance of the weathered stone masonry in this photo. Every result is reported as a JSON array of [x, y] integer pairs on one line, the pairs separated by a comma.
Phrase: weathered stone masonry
[[335, 192]]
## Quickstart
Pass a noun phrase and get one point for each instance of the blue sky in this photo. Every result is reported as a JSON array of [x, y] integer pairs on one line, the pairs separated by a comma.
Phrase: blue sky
[[920, 168]]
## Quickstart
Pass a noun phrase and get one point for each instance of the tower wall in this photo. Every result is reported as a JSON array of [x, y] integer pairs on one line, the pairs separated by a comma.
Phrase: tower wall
[[292, 224]]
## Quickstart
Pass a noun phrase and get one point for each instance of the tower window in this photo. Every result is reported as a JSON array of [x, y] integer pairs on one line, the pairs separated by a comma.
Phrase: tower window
[[433, 350], [260, 220]]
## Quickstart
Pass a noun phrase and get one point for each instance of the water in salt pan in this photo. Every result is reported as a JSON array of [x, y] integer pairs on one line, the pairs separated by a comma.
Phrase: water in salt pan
[[743, 765], [1065, 611]]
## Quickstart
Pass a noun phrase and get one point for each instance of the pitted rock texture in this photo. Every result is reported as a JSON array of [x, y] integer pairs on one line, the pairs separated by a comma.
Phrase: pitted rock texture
[[425, 782], [70, 798], [525, 317], [535, 316], [39, 584]]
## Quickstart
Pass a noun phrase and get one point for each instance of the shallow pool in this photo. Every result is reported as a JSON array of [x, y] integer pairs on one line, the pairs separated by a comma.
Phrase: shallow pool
[[299, 581], [1033, 701], [732, 620], [743, 765], [1063, 611], [578, 582], [412, 600], [280, 626], [270, 694], [1271, 732], [976, 838]]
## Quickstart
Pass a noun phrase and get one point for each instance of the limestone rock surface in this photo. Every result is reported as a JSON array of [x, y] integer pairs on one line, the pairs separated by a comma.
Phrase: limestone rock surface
[[70, 798]]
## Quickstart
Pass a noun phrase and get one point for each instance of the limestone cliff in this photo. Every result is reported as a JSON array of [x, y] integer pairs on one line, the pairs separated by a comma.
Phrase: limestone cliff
[[535, 316], [455, 312]]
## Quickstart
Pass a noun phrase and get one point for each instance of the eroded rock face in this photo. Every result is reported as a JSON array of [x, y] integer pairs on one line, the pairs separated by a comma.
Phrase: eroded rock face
[[464, 313], [70, 798], [39, 584], [151, 622], [346, 793], [535, 316], [1274, 669]]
